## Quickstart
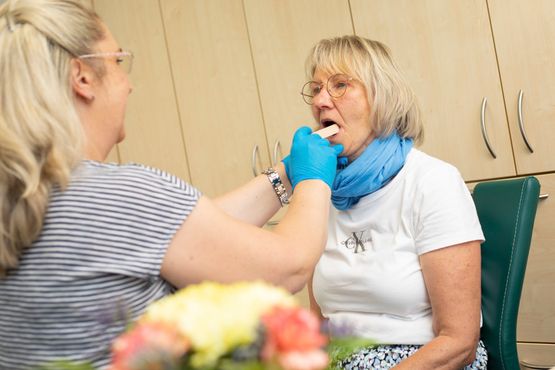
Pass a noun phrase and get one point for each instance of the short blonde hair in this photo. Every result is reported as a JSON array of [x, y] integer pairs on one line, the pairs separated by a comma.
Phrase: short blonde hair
[[393, 103], [40, 133]]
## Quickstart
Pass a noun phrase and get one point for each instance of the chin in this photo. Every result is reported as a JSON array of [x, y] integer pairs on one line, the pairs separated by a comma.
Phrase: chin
[[334, 141]]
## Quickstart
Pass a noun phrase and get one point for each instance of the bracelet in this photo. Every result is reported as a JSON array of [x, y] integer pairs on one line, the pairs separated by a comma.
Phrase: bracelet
[[278, 186]]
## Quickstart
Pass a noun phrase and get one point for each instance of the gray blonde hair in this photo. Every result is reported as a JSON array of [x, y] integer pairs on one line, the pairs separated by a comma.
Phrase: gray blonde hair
[[40, 132], [393, 103]]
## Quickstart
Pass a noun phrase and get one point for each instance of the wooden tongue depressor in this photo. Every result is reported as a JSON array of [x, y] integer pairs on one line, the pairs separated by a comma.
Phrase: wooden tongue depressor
[[327, 131]]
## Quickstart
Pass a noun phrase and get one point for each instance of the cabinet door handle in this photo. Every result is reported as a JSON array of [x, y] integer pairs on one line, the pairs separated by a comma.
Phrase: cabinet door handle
[[255, 154], [277, 150], [521, 122], [483, 125]]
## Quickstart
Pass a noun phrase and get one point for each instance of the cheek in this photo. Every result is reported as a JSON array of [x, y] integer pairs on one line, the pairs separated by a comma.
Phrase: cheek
[[360, 120], [122, 93], [315, 112]]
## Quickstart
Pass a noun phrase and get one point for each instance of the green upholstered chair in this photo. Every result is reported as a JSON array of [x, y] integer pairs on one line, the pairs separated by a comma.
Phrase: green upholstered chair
[[506, 210]]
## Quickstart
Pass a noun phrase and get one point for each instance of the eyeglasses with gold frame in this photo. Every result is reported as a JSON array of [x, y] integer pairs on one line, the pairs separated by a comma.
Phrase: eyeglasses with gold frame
[[336, 86]]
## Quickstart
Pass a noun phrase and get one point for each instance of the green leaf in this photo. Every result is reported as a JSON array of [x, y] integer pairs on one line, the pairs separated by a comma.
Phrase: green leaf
[[66, 365], [229, 364], [341, 348]]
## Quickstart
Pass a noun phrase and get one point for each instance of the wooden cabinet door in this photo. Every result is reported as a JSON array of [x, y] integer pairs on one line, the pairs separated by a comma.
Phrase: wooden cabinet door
[[447, 52], [282, 32], [536, 319], [534, 356], [152, 125], [524, 33], [216, 91]]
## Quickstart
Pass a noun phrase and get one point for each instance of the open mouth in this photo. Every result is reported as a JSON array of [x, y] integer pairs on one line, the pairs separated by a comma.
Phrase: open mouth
[[329, 129], [327, 123]]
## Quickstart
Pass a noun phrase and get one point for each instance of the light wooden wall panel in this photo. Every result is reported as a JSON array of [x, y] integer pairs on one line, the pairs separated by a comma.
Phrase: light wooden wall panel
[[153, 126], [446, 50], [216, 89], [524, 34], [536, 355], [536, 321]]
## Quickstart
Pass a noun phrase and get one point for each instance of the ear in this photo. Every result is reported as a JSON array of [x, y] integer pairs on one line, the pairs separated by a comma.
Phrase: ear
[[82, 80]]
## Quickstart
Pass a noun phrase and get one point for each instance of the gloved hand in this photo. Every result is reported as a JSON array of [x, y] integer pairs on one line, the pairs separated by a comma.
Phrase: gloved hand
[[311, 158], [342, 162], [287, 163]]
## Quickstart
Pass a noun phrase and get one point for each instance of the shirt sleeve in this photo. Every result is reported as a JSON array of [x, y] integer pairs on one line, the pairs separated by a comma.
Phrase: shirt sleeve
[[141, 209], [445, 213]]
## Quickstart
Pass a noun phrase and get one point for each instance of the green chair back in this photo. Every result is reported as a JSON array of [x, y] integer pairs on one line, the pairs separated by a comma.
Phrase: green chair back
[[506, 210]]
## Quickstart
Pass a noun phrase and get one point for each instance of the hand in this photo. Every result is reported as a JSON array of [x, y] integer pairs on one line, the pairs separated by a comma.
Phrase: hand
[[287, 163], [342, 162], [311, 158]]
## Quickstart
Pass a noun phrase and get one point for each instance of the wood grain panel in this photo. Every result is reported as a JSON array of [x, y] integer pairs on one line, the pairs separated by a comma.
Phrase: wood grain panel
[[153, 127], [216, 90], [536, 319], [533, 356], [447, 53], [524, 33]]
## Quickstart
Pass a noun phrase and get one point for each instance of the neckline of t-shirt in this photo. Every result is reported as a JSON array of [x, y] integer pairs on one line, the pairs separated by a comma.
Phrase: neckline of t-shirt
[[391, 185], [92, 162]]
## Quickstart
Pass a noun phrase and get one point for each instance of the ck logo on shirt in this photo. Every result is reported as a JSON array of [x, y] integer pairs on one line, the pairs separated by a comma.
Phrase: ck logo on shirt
[[357, 242]]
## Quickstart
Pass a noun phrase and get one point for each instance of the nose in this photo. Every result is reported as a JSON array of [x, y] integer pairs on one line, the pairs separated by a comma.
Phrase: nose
[[322, 100]]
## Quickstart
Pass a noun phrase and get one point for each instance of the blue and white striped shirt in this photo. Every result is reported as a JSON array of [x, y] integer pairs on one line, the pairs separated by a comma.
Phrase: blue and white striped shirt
[[94, 267]]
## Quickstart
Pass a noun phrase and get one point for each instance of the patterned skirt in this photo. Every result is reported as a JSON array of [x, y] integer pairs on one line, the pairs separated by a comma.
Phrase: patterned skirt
[[386, 356]]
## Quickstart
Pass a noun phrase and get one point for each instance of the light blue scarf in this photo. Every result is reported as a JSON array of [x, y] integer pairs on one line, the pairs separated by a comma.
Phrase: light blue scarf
[[373, 169]]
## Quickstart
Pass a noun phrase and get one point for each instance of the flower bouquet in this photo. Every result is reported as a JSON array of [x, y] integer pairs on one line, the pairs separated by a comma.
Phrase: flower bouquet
[[242, 326]]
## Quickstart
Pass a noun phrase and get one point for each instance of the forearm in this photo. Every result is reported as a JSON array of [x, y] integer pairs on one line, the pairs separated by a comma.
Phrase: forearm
[[442, 353], [305, 225], [256, 201], [211, 245]]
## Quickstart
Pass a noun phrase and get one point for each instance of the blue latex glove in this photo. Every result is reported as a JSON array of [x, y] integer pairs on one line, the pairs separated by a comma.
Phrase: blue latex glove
[[342, 162], [311, 158], [287, 163]]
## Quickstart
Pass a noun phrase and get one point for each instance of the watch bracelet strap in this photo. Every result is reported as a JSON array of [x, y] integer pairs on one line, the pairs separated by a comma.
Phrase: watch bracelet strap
[[279, 188]]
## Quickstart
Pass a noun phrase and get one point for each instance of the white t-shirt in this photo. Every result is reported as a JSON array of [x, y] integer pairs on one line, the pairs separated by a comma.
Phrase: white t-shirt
[[369, 278]]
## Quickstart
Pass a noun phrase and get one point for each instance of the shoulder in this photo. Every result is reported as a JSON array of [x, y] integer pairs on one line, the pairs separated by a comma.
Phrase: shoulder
[[430, 174], [425, 164], [131, 176], [443, 210], [132, 188]]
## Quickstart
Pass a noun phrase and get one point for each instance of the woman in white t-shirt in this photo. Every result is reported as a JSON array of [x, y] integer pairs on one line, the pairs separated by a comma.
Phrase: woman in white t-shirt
[[402, 261]]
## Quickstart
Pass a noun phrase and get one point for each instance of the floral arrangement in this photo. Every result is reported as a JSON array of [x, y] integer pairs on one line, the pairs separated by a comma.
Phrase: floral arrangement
[[247, 326], [242, 326]]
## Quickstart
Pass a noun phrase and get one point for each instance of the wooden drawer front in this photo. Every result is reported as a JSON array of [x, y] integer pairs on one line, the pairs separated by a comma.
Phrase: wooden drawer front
[[536, 356]]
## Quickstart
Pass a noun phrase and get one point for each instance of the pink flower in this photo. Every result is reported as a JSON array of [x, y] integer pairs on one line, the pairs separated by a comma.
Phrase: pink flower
[[146, 346], [308, 360], [291, 330]]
